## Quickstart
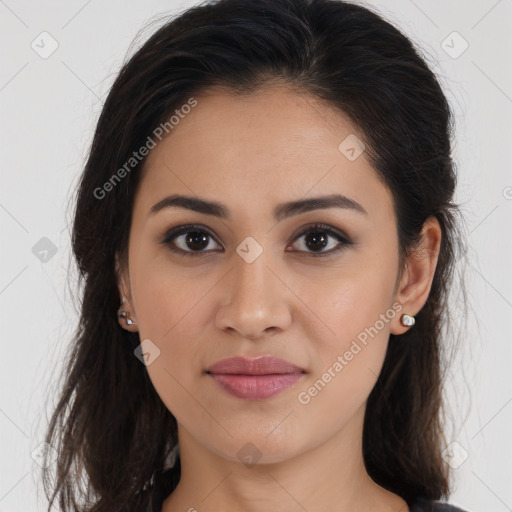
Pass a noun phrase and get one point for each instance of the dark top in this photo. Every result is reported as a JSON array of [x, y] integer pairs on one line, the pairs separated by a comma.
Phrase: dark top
[[166, 481]]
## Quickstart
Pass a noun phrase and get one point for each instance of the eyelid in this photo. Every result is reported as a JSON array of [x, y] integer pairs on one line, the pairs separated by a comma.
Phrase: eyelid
[[322, 227]]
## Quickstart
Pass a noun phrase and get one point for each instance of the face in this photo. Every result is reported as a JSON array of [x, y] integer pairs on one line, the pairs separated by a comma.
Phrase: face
[[251, 283]]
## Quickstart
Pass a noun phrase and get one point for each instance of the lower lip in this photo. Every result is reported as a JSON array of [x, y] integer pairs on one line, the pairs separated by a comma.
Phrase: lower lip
[[255, 387]]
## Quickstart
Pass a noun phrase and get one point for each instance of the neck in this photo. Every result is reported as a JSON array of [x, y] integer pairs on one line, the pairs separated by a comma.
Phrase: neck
[[331, 476]]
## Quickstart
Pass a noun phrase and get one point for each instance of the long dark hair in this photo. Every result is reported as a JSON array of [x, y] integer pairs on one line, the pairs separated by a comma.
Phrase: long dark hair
[[111, 431]]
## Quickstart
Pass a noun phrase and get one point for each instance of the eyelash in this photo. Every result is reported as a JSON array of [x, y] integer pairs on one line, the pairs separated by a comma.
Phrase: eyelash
[[189, 228]]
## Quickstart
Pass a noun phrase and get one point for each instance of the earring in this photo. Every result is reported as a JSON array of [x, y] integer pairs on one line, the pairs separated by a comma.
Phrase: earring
[[407, 320], [124, 314]]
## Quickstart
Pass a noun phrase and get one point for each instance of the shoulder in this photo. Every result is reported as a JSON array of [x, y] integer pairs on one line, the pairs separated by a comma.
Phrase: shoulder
[[425, 505]]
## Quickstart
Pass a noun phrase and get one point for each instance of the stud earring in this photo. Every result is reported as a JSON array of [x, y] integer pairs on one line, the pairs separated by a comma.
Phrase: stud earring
[[124, 314], [128, 320], [407, 320]]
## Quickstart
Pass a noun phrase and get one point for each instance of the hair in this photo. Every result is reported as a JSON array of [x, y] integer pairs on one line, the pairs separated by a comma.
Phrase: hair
[[111, 431]]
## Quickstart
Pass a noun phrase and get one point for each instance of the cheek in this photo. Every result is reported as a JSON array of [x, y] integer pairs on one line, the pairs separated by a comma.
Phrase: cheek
[[170, 311], [350, 303], [170, 320], [347, 364], [166, 296], [353, 314], [356, 306]]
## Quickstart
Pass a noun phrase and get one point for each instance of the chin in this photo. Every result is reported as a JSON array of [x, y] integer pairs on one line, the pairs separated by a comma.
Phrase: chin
[[258, 450]]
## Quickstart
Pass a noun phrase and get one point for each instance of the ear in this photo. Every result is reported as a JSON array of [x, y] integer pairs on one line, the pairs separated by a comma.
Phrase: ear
[[414, 288], [123, 281]]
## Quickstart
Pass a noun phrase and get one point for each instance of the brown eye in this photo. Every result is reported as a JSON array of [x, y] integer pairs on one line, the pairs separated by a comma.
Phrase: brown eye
[[320, 236], [188, 240], [196, 240]]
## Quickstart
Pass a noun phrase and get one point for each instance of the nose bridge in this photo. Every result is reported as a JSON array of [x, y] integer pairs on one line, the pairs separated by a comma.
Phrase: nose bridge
[[252, 278], [254, 300], [252, 283]]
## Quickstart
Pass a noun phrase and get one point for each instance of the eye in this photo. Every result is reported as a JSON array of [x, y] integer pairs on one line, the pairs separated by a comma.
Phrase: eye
[[317, 238], [193, 240], [184, 238]]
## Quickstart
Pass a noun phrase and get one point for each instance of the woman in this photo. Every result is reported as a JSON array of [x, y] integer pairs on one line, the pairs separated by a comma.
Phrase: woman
[[266, 237]]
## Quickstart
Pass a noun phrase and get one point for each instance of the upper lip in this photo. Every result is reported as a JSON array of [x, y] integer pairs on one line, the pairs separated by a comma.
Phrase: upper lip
[[263, 365]]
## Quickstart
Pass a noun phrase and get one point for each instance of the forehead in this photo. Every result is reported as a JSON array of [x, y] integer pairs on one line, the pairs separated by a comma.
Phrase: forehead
[[261, 149]]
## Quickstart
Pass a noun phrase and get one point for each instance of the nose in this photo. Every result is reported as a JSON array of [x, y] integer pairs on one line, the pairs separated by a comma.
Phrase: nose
[[256, 301]]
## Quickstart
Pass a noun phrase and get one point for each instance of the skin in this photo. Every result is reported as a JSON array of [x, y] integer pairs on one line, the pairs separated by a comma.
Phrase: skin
[[251, 154]]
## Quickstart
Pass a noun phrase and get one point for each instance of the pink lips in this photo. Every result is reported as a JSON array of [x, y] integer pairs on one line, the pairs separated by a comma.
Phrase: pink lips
[[255, 379]]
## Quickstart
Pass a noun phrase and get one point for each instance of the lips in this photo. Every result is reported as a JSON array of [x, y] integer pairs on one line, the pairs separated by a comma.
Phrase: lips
[[259, 366], [255, 379]]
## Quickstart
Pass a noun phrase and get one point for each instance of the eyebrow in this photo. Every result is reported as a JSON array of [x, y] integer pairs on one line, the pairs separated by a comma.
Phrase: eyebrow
[[281, 211]]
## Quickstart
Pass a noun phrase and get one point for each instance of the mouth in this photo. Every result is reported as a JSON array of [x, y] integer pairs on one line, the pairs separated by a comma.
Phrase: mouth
[[263, 365], [255, 379]]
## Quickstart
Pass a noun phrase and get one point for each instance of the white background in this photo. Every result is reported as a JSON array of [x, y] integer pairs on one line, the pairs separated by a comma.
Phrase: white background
[[48, 111]]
